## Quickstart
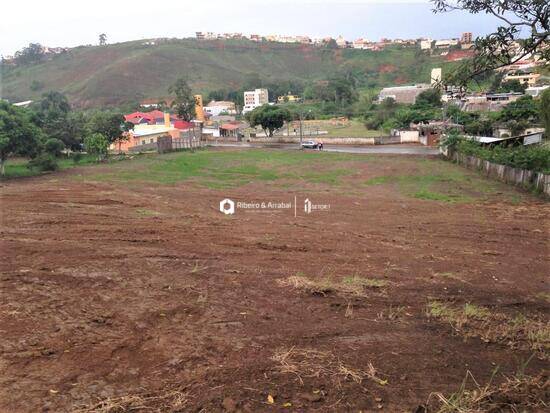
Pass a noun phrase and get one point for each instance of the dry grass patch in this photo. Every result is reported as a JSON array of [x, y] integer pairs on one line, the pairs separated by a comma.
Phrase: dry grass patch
[[475, 321], [307, 363], [514, 395], [169, 402], [355, 285]]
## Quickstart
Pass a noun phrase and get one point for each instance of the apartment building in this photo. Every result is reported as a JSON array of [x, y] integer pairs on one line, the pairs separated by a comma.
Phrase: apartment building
[[254, 99]]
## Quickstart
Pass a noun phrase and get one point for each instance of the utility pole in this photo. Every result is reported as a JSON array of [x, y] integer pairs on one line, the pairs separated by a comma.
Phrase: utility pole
[[301, 134]]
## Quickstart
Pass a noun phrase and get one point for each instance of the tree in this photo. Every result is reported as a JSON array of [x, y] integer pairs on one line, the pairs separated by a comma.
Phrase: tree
[[269, 117], [110, 125], [18, 135], [33, 53], [523, 109], [184, 101], [331, 44], [102, 39], [512, 86], [498, 49], [97, 144], [53, 147], [56, 119], [429, 98], [544, 108]]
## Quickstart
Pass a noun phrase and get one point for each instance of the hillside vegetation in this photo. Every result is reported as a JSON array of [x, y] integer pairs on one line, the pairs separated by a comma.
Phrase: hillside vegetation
[[131, 71]]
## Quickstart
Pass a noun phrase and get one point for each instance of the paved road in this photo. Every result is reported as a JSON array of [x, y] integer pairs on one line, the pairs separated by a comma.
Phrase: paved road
[[382, 149]]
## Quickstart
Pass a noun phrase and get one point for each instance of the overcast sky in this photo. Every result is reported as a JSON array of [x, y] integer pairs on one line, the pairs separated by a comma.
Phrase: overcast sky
[[73, 22]]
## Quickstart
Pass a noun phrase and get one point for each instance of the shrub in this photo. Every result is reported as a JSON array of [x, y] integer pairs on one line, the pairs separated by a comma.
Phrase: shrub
[[77, 157], [535, 158], [44, 162], [97, 144], [54, 146]]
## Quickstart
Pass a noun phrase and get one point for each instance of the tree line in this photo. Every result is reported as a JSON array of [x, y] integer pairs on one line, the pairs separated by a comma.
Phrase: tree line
[[51, 127]]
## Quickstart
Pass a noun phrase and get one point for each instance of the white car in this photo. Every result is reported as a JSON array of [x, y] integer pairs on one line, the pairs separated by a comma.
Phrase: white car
[[310, 145]]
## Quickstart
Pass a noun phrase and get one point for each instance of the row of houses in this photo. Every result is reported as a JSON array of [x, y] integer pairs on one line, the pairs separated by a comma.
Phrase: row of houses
[[341, 42]]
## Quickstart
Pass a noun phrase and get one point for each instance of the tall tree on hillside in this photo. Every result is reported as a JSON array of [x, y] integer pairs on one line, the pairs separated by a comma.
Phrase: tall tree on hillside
[[523, 22], [18, 135], [31, 54], [184, 103], [102, 39]]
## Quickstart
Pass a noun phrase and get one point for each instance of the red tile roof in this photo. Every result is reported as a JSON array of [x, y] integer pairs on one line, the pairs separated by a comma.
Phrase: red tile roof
[[136, 115], [183, 125]]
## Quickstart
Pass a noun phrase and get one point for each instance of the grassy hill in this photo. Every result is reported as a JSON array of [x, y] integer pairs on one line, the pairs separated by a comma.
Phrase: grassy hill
[[131, 71]]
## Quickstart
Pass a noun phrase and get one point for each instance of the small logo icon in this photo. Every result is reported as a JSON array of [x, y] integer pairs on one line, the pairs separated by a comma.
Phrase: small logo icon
[[307, 206], [227, 206]]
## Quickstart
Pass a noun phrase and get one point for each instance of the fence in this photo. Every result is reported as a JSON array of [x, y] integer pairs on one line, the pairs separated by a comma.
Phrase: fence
[[169, 144], [515, 176]]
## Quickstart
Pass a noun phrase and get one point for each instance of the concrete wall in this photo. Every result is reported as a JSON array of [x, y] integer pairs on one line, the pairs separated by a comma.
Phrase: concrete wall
[[515, 176], [381, 140]]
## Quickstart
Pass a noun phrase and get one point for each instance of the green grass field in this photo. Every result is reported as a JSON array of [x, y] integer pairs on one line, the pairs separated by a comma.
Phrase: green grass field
[[421, 178], [355, 129], [19, 167]]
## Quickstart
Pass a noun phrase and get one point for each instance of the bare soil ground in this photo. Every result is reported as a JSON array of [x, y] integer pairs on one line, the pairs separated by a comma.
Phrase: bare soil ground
[[140, 294]]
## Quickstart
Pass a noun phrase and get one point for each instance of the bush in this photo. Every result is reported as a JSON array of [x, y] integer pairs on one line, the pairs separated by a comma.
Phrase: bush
[[77, 157], [54, 146], [44, 162], [534, 158]]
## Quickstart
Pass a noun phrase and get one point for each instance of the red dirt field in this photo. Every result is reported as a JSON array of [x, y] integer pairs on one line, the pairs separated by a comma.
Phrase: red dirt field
[[182, 308]]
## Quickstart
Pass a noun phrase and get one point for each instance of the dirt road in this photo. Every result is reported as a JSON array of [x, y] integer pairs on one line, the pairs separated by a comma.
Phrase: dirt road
[[148, 295]]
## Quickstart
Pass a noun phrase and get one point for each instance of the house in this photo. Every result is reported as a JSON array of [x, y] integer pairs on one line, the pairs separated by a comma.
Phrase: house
[[529, 79], [254, 99], [446, 43], [402, 94], [138, 118], [341, 42], [430, 133], [426, 44], [216, 107], [288, 98], [232, 130]]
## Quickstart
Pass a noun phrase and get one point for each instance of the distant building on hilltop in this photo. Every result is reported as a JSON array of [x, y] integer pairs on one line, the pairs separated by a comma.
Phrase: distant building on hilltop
[[254, 99], [466, 37], [426, 44]]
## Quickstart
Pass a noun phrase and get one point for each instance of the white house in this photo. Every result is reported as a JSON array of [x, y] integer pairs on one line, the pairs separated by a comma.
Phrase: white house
[[215, 108]]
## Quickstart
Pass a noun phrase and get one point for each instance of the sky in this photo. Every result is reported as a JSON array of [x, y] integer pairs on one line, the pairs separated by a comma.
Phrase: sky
[[69, 23]]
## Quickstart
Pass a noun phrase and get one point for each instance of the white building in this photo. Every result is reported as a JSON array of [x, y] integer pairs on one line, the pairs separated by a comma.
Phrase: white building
[[254, 99], [426, 44], [445, 43], [215, 108], [341, 42], [436, 76]]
